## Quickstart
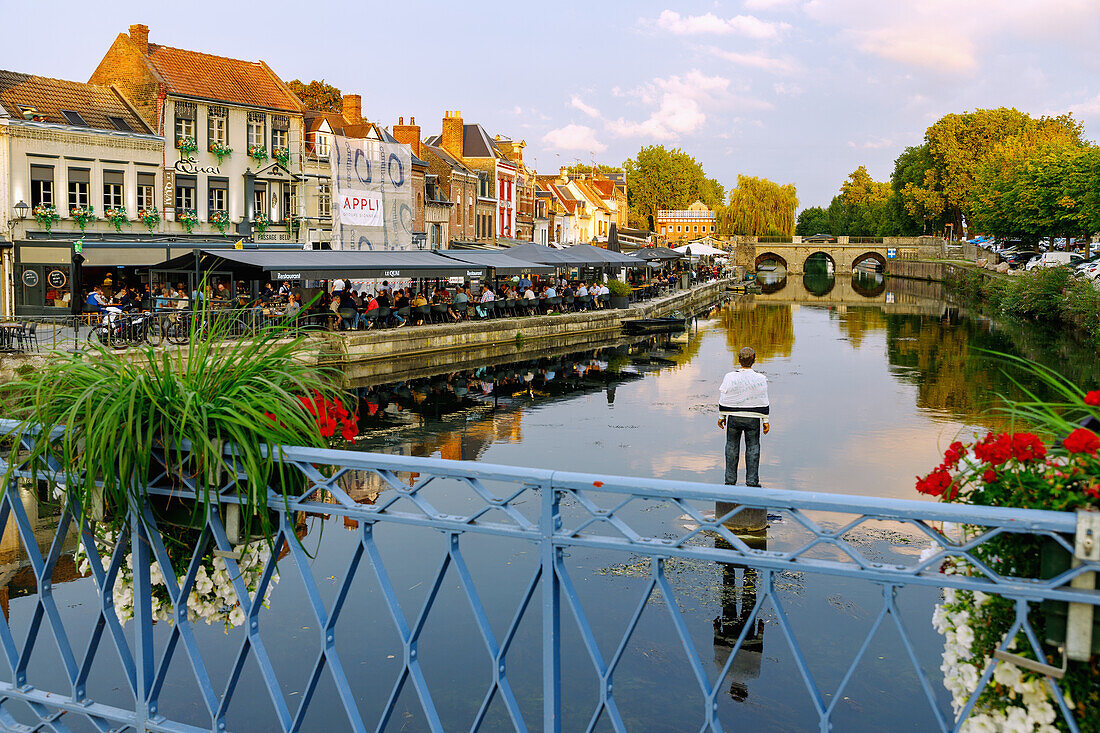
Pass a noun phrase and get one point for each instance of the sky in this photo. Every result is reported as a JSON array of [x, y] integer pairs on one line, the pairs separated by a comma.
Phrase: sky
[[799, 91]]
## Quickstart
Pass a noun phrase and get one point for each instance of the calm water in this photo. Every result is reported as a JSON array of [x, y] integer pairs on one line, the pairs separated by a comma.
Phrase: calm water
[[869, 382]]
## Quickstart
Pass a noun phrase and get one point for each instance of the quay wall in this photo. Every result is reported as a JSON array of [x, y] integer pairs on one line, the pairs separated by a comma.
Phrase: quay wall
[[401, 353]]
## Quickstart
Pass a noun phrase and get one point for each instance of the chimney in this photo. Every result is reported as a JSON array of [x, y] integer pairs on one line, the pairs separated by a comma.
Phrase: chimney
[[408, 134], [139, 34], [352, 109], [452, 133]]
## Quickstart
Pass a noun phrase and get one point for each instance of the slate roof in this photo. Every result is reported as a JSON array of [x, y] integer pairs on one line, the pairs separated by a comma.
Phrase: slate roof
[[476, 143], [49, 96], [206, 76], [447, 158]]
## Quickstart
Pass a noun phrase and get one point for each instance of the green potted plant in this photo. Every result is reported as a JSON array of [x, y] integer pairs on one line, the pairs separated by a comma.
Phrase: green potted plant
[[117, 217], [282, 155], [150, 218], [82, 215], [261, 222], [620, 293], [186, 146], [220, 151], [45, 215], [258, 153], [188, 218], [207, 411], [220, 220]]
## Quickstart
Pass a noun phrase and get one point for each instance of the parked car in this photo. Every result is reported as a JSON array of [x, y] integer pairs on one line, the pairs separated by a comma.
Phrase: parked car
[[1054, 259], [1088, 263], [1020, 259], [819, 238]]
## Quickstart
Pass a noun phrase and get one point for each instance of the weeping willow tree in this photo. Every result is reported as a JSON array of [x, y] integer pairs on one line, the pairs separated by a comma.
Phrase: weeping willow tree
[[758, 207]]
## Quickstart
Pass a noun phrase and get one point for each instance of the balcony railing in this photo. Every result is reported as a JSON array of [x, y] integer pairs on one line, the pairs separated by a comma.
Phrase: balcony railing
[[524, 614]]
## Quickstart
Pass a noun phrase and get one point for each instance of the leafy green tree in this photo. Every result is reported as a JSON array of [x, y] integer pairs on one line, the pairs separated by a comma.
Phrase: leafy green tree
[[759, 207], [600, 168], [658, 178], [813, 220], [958, 144], [318, 96]]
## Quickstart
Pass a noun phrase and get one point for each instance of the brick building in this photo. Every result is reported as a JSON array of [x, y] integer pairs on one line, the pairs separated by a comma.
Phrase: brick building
[[233, 130], [694, 222]]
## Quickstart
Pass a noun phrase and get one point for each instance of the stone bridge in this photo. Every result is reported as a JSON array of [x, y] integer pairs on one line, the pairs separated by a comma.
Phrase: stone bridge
[[903, 297], [845, 255]]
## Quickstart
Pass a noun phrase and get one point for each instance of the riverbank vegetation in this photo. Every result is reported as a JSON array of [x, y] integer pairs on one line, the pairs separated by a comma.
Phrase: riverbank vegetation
[[1000, 170], [1050, 296]]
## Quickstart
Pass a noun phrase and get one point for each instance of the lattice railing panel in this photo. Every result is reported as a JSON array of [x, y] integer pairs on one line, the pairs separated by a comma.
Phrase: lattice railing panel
[[511, 571]]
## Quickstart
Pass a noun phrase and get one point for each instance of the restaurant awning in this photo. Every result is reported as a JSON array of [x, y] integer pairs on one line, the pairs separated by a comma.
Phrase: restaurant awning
[[328, 264], [547, 256], [657, 253], [603, 256], [501, 262]]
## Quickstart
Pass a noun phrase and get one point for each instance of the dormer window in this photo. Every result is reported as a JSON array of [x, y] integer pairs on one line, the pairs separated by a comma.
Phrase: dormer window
[[120, 124], [322, 145], [29, 112], [74, 118]]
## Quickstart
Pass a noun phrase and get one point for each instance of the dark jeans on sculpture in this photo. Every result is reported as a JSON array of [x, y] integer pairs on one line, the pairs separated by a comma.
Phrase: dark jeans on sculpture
[[750, 428]]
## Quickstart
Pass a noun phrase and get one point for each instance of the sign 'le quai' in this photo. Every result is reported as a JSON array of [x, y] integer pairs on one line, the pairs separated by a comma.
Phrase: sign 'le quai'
[[189, 165]]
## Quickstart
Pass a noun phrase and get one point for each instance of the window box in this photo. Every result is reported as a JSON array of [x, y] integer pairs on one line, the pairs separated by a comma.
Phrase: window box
[[282, 155], [258, 153], [149, 217], [45, 215], [186, 145], [82, 215], [220, 220], [261, 223], [188, 218], [220, 151], [116, 217]]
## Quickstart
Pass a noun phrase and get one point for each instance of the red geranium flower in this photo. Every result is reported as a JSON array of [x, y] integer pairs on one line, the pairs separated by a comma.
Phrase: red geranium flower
[[1093, 398], [1028, 447], [350, 431], [989, 475], [954, 454], [1093, 491], [935, 483], [1082, 440], [994, 449]]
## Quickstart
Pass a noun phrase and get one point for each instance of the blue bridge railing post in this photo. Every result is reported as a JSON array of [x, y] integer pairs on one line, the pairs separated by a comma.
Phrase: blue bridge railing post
[[549, 523], [143, 618]]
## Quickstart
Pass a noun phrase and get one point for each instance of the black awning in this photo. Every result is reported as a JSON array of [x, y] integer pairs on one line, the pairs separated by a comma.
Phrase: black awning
[[602, 257], [657, 253], [499, 261], [328, 264]]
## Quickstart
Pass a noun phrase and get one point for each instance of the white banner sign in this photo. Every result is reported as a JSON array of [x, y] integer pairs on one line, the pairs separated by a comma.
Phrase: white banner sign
[[361, 208], [372, 194]]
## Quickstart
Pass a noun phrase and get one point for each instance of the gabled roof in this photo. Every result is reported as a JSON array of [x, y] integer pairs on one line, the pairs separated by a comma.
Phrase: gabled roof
[[447, 158], [590, 194], [314, 120], [47, 97], [205, 76]]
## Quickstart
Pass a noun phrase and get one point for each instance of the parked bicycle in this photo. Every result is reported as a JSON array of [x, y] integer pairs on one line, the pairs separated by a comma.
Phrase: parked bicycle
[[119, 330]]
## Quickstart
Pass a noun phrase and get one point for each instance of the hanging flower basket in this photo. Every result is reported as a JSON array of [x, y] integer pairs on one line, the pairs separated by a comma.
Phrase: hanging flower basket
[[150, 218], [82, 215], [45, 215], [186, 146], [261, 222], [220, 151], [116, 217], [258, 153], [1021, 470], [220, 220], [189, 219], [282, 155]]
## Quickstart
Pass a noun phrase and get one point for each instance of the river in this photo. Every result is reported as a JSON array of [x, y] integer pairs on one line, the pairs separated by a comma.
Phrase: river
[[870, 380]]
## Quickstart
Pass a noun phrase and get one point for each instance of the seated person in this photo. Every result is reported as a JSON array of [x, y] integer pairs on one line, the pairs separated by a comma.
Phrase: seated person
[[459, 304]]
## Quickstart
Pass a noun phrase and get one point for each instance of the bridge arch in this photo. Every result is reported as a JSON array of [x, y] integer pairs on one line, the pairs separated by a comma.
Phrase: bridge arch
[[868, 286], [870, 255], [772, 256], [824, 254]]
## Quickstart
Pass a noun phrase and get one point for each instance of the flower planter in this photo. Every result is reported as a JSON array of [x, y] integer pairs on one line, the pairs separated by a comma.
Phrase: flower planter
[[620, 301], [1055, 560]]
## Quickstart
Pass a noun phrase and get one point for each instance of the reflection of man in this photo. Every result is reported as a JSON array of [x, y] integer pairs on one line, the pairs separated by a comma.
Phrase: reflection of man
[[743, 404]]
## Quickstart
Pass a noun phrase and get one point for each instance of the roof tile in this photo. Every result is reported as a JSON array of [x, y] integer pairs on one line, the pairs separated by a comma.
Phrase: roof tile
[[95, 104], [203, 75]]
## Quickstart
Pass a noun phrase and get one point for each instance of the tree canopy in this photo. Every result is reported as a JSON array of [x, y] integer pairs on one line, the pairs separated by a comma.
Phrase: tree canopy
[[658, 178], [759, 207], [318, 96], [599, 168]]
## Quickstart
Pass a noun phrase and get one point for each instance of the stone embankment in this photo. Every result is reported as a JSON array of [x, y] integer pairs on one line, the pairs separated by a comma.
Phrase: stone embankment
[[403, 353]]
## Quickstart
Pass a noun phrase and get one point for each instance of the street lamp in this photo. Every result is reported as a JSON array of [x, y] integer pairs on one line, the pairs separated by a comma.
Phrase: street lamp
[[21, 210]]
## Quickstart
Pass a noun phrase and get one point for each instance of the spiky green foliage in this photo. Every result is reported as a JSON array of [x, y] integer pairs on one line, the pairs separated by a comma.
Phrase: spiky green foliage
[[206, 407]]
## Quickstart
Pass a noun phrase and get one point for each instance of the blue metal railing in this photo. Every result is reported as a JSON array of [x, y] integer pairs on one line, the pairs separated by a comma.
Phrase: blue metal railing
[[552, 511]]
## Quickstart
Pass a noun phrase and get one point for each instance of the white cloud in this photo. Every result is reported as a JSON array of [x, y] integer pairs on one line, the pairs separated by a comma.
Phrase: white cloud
[[946, 36], [1088, 109], [574, 137], [681, 103], [756, 60], [872, 144], [787, 89], [589, 110], [743, 25]]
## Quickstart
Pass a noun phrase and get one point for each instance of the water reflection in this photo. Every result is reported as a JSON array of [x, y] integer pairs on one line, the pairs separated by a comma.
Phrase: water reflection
[[737, 619]]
